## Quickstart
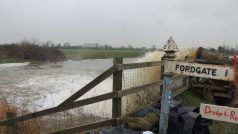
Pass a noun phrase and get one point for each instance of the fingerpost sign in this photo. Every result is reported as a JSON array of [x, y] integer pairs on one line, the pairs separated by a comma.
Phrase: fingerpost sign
[[220, 72]]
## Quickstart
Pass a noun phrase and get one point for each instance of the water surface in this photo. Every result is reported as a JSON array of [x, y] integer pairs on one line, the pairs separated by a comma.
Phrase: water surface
[[43, 86]]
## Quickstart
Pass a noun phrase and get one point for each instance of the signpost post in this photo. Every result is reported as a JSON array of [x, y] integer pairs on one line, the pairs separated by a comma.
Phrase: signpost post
[[169, 48]]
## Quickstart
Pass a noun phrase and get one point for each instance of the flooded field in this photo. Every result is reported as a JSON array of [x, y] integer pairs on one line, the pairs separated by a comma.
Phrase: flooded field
[[43, 86], [37, 87]]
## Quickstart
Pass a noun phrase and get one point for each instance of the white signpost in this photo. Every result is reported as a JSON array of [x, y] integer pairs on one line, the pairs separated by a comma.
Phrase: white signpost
[[220, 72], [220, 113]]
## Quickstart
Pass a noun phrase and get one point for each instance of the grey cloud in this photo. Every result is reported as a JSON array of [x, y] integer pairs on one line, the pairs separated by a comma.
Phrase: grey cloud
[[121, 22]]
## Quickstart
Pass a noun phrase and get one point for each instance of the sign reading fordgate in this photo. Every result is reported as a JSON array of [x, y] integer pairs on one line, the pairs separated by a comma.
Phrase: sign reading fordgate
[[220, 72], [220, 113]]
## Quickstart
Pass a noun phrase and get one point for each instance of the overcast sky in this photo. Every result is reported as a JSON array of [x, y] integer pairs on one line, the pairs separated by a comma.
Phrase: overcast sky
[[121, 22]]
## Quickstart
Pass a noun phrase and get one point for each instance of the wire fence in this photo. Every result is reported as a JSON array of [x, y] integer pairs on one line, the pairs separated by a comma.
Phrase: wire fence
[[139, 77]]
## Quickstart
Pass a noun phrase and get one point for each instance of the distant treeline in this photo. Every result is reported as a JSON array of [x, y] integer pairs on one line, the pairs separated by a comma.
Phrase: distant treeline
[[30, 51], [96, 46], [225, 48]]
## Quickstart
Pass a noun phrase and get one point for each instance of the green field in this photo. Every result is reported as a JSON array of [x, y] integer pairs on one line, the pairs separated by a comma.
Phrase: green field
[[191, 99], [80, 54], [11, 60]]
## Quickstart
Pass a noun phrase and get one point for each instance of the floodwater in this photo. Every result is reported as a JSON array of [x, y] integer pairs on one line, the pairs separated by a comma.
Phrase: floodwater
[[47, 85], [37, 87]]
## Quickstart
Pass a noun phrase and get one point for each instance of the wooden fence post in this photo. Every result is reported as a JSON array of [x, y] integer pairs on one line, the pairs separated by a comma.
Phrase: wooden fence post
[[117, 86], [185, 81], [11, 127]]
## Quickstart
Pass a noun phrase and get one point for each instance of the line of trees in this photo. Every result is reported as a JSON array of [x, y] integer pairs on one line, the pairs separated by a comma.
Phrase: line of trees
[[67, 45]]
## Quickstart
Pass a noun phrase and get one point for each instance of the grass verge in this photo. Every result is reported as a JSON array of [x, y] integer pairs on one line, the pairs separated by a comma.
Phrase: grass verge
[[80, 54], [50, 123], [191, 99], [36, 126], [11, 60]]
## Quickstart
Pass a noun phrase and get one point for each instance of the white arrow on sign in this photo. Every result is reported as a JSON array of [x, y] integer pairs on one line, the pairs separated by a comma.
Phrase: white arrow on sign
[[220, 72], [220, 113]]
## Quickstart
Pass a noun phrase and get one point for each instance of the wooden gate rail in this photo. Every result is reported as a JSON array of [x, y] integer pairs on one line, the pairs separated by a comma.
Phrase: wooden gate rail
[[137, 89], [210, 87], [138, 65], [214, 87], [88, 87]]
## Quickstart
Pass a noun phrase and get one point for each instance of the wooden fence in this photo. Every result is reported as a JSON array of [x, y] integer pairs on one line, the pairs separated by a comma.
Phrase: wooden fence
[[116, 95]]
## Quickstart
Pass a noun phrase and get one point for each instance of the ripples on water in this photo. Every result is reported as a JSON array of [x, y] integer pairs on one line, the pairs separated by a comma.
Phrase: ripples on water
[[43, 86]]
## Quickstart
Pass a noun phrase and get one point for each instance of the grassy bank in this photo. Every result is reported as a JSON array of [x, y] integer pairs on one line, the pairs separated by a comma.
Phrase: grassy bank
[[46, 124], [18, 60], [11, 60], [190, 99], [80, 54]]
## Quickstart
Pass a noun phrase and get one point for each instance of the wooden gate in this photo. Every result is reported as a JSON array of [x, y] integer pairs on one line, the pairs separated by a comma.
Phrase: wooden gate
[[116, 95]]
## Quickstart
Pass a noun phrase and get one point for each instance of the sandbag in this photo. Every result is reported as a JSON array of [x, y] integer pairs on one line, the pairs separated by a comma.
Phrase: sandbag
[[142, 123], [149, 109]]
